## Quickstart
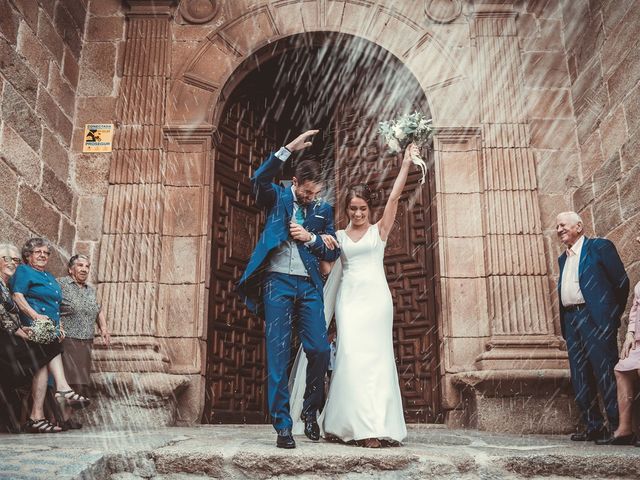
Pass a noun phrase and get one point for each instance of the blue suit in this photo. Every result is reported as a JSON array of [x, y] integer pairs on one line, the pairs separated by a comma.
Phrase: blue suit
[[283, 298], [591, 332]]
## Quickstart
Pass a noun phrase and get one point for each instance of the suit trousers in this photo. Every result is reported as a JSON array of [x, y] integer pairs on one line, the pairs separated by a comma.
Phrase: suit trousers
[[288, 297], [592, 355]]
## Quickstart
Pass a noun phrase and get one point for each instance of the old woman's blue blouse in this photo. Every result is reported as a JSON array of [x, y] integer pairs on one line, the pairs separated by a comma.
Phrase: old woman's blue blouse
[[40, 289]]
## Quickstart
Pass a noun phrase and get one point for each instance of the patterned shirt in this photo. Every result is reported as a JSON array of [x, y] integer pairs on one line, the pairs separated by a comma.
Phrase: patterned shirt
[[9, 320], [79, 309]]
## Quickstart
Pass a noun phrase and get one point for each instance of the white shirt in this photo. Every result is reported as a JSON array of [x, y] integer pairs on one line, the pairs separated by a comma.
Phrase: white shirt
[[570, 293]]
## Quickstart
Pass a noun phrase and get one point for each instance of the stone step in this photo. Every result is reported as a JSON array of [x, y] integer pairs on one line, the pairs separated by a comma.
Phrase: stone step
[[248, 451], [242, 452]]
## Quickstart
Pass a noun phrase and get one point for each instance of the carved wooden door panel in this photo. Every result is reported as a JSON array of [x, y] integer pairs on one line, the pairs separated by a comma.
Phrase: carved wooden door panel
[[235, 376], [409, 259]]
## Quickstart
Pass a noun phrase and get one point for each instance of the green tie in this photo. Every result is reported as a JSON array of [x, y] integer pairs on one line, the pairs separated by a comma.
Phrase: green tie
[[300, 215]]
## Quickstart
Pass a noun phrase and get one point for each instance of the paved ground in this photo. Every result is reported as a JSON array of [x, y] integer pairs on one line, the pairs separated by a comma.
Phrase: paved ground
[[230, 452]]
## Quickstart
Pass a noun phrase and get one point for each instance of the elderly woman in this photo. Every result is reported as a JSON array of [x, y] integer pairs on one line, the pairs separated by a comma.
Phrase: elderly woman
[[80, 311], [38, 296], [21, 360], [627, 371]]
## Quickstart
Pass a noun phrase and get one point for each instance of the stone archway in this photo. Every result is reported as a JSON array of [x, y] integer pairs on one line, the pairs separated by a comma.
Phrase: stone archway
[[290, 90], [486, 190], [202, 87]]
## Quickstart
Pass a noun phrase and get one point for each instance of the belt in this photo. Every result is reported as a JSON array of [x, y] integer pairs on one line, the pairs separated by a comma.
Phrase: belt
[[575, 308]]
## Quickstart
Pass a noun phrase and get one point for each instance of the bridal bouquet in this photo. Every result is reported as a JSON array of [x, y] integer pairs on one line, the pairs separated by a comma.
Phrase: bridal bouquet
[[43, 331], [404, 130]]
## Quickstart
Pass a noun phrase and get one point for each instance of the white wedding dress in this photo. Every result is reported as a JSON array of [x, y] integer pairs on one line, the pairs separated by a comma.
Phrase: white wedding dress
[[364, 398]]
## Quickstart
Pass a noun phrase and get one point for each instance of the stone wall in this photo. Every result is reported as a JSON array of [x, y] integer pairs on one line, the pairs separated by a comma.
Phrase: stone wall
[[98, 85], [550, 118], [603, 58], [41, 44]]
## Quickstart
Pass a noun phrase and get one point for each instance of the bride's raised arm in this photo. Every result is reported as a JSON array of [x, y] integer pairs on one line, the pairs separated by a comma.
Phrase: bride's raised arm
[[386, 222]]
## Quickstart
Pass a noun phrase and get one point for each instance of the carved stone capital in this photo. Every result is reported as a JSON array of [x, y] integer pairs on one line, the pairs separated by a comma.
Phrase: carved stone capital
[[493, 18], [456, 134], [493, 7], [189, 134], [150, 8]]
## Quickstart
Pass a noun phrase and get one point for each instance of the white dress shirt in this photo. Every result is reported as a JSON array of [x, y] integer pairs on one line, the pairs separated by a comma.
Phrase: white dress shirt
[[570, 293]]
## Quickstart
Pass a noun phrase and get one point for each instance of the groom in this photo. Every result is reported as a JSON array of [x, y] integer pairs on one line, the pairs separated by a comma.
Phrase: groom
[[282, 281]]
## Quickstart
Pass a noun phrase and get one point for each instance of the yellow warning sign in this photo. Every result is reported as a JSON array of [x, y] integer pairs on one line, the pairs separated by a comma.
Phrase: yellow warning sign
[[98, 137]]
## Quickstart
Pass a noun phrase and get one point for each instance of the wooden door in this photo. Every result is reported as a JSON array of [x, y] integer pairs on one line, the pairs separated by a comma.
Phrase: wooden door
[[409, 258], [236, 360]]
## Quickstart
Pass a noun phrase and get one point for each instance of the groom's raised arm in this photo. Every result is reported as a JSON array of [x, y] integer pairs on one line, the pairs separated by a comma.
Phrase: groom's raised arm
[[262, 180]]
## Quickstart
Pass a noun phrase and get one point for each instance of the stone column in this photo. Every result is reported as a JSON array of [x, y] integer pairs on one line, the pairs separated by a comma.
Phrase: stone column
[[131, 248], [134, 383], [521, 321], [183, 295]]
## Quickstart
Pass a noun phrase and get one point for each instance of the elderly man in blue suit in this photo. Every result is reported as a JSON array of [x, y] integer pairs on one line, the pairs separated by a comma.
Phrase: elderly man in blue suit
[[593, 289], [283, 282]]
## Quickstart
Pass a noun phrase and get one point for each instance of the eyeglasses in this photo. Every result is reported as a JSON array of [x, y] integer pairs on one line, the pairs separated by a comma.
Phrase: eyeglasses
[[15, 260], [46, 253]]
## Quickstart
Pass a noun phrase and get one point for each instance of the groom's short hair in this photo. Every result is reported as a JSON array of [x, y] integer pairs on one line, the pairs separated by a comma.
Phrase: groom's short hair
[[309, 170]]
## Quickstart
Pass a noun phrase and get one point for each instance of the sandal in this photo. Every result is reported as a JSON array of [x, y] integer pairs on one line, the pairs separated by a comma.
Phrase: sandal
[[72, 399], [40, 426]]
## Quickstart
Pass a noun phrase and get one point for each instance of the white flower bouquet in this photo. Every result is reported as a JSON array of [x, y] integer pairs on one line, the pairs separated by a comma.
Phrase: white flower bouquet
[[43, 331], [411, 128]]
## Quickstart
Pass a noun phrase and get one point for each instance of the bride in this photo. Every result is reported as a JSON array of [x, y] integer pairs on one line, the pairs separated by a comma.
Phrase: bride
[[364, 402]]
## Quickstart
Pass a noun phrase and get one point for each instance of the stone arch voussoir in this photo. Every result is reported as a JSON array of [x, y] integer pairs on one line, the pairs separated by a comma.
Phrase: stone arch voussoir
[[196, 91]]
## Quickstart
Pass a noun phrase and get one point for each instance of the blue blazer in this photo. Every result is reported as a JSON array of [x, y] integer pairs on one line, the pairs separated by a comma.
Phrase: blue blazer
[[278, 201], [603, 282]]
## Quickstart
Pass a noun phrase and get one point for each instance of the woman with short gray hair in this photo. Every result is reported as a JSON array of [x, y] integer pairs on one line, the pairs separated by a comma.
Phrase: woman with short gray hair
[[80, 312], [38, 296], [20, 358], [30, 246]]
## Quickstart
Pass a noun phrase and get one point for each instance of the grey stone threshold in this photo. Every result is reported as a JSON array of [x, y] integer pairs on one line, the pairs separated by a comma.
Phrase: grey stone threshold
[[248, 452]]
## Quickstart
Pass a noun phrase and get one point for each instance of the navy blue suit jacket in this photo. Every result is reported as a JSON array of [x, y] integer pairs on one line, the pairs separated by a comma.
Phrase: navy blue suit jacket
[[603, 282], [279, 204]]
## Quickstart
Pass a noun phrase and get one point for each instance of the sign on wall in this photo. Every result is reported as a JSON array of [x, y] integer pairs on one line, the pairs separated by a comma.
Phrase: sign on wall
[[98, 137]]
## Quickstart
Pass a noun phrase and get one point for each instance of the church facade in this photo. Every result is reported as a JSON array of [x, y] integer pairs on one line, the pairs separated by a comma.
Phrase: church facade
[[535, 110]]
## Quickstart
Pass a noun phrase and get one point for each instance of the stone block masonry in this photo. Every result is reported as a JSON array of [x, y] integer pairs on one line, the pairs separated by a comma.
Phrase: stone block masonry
[[41, 46]]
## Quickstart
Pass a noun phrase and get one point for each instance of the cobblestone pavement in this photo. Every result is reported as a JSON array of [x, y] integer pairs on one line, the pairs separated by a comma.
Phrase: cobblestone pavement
[[226, 451]]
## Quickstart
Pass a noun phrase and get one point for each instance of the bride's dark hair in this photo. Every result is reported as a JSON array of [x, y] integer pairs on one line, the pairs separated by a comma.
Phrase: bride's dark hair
[[358, 191]]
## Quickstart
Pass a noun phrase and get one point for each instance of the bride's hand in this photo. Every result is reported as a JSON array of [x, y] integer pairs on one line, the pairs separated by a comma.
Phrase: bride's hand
[[409, 152], [330, 242]]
